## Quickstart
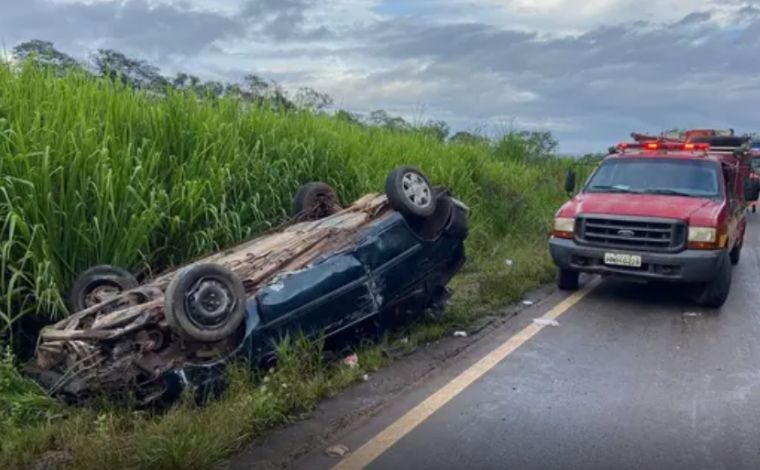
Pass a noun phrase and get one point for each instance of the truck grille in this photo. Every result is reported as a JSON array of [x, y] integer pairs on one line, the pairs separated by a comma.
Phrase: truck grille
[[631, 233]]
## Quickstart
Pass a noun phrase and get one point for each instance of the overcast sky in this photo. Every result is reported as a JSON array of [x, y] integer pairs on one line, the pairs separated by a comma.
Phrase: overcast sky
[[590, 71]]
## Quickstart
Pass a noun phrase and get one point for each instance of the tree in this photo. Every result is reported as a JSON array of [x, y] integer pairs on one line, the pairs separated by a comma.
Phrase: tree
[[437, 129], [259, 90], [525, 146], [312, 100], [539, 144], [255, 86], [132, 72], [348, 116], [381, 118], [44, 54], [211, 88], [183, 81], [469, 138]]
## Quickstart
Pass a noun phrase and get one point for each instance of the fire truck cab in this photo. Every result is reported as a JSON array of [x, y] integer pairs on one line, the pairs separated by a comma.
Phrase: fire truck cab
[[659, 210]]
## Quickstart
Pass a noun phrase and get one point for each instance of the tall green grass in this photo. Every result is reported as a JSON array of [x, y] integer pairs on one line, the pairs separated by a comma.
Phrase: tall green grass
[[93, 172]]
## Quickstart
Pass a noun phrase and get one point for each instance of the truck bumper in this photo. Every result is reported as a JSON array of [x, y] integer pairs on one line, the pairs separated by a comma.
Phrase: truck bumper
[[685, 266]]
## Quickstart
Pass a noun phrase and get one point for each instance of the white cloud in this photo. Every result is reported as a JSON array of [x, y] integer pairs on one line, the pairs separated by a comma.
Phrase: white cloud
[[591, 71]]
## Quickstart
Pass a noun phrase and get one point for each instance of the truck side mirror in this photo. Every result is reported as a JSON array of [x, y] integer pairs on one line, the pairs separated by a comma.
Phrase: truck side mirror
[[751, 189], [570, 181]]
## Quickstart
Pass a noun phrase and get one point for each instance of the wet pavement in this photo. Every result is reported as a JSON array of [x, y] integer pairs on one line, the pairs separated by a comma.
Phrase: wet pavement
[[634, 376]]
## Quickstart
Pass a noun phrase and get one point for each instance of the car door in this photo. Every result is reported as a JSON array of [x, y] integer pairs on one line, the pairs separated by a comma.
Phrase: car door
[[323, 298], [394, 256]]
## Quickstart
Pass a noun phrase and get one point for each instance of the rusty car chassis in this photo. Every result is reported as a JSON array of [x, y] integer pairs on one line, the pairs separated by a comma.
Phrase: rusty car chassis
[[328, 271]]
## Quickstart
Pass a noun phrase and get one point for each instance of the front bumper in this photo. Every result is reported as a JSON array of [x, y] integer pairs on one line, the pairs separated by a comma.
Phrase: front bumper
[[685, 266]]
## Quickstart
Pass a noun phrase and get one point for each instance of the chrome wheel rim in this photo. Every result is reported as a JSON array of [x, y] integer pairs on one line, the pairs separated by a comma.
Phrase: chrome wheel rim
[[416, 190]]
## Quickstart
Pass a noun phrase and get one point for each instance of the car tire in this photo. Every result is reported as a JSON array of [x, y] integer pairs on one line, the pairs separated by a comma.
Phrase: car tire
[[736, 254], [754, 209], [567, 279], [205, 302], [97, 284], [410, 193], [314, 201], [715, 292]]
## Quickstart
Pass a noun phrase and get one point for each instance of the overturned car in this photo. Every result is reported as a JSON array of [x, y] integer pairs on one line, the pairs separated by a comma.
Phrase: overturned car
[[329, 270]]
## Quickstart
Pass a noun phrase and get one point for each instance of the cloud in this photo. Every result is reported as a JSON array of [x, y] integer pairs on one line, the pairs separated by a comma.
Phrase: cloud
[[154, 30], [590, 71]]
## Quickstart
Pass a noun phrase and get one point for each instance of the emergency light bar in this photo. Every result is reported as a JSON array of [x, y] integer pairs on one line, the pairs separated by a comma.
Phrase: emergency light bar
[[659, 145]]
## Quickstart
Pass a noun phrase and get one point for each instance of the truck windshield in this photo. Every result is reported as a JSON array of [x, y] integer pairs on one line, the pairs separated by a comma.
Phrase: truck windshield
[[656, 176]]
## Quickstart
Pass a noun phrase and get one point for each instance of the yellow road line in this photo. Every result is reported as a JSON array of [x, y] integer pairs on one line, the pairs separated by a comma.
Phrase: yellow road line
[[404, 425]]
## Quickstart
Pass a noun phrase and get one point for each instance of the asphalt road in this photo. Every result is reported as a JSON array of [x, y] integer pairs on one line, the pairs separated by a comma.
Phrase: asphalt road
[[634, 376]]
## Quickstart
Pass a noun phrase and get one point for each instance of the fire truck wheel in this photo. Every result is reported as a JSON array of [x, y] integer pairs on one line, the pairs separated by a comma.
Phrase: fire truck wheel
[[567, 279], [736, 253], [715, 292]]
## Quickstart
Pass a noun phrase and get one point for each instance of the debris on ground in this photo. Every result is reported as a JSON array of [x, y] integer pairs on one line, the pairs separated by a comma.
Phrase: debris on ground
[[365, 377], [545, 322], [460, 334], [509, 262], [337, 451], [527, 302], [351, 361], [692, 314], [404, 341]]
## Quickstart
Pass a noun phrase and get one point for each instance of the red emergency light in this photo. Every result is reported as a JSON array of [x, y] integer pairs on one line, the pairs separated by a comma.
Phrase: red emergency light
[[655, 145]]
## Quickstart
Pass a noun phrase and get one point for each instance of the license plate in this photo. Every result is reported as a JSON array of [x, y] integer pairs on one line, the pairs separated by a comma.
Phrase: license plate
[[619, 259]]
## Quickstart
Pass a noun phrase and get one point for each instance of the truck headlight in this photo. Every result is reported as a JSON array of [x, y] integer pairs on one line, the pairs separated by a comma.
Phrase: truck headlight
[[703, 234], [563, 227], [707, 238]]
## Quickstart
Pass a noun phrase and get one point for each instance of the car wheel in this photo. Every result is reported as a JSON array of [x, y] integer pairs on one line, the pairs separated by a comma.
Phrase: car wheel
[[754, 209], [736, 254], [409, 192], [567, 279], [99, 284], [205, 302], [715, 292], [314, 201]]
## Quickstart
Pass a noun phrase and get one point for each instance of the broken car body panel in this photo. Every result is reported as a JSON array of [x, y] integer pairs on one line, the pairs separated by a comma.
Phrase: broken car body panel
[[317, 278]]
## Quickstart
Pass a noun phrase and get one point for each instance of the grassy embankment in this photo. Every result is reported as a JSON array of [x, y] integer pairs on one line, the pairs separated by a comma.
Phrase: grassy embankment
[[95, 173]]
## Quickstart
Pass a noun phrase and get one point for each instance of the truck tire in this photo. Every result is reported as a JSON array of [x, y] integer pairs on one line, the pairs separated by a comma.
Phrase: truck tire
[[736, 254], [715, 292], [205, 302], [567, 279]]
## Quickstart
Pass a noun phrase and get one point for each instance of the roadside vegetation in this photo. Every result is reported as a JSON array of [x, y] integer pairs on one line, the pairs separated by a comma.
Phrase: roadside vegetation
[[96, 170]]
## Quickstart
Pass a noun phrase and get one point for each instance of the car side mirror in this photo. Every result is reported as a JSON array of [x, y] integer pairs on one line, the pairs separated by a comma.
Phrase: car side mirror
[[570, 181]]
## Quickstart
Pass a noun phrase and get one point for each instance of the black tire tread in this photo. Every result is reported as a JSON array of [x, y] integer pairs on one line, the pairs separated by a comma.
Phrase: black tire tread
[[567, 279], [305, 194], [174, 305], [105, 272], [715, 292]]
